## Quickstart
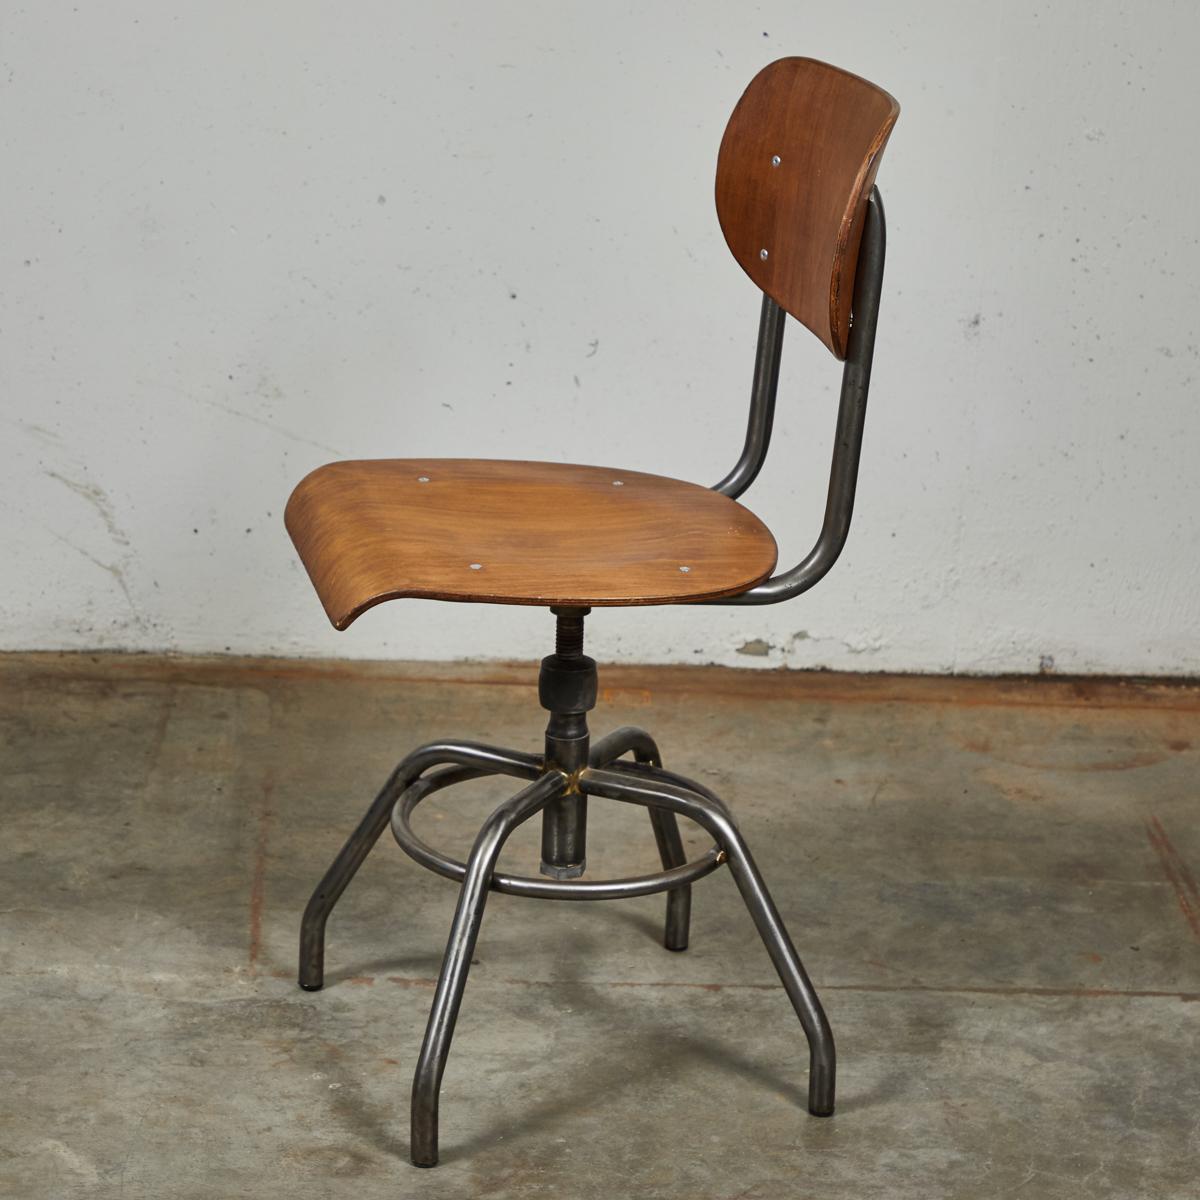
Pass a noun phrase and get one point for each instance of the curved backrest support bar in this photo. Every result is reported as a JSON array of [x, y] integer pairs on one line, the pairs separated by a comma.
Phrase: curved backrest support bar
[[852, 412], [762, 401]]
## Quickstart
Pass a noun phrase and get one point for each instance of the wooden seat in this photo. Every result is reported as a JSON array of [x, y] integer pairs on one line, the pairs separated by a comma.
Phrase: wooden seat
[[518, 533]]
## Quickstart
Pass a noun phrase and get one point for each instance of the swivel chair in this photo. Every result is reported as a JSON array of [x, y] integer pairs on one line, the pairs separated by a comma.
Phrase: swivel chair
[[797, 204]]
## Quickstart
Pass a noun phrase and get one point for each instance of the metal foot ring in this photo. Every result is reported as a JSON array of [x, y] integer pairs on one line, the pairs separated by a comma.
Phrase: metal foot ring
[[527, 885]]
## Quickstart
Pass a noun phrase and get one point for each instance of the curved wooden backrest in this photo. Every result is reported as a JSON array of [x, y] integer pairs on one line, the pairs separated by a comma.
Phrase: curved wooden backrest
[[797, 163]]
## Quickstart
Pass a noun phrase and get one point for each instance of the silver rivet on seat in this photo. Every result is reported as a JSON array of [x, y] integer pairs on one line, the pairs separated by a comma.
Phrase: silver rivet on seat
[[477, 566], [685, 570], [775, 160], [763, 254], [422, 478], [618, 483]]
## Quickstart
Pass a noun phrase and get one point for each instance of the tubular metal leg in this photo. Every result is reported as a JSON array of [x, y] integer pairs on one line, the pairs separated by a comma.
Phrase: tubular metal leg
[[650, 787], [666, 828], [679, 900], [356, 849], [461, 946]]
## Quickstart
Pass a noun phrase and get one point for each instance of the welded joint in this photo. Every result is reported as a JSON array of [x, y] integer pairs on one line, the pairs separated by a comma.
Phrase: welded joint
[[570, 778]]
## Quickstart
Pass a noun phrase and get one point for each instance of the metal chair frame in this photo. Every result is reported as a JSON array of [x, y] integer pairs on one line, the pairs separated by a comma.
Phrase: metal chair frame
[[572, 769]]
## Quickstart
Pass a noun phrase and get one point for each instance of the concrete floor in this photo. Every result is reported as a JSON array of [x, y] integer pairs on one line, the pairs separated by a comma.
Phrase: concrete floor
[[989, 883]]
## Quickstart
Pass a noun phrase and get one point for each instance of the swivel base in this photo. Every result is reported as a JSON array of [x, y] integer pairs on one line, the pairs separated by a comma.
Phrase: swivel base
[[559, 785]]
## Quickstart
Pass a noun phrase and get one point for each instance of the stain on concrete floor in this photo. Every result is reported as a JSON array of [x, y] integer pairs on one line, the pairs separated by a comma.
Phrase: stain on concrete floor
[[993, 885]]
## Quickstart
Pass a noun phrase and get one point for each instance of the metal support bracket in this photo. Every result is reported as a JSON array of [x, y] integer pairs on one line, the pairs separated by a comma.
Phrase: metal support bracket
[[852, 412]]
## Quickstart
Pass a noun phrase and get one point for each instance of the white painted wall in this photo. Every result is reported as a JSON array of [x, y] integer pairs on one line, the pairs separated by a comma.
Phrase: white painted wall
[[241, 239]]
